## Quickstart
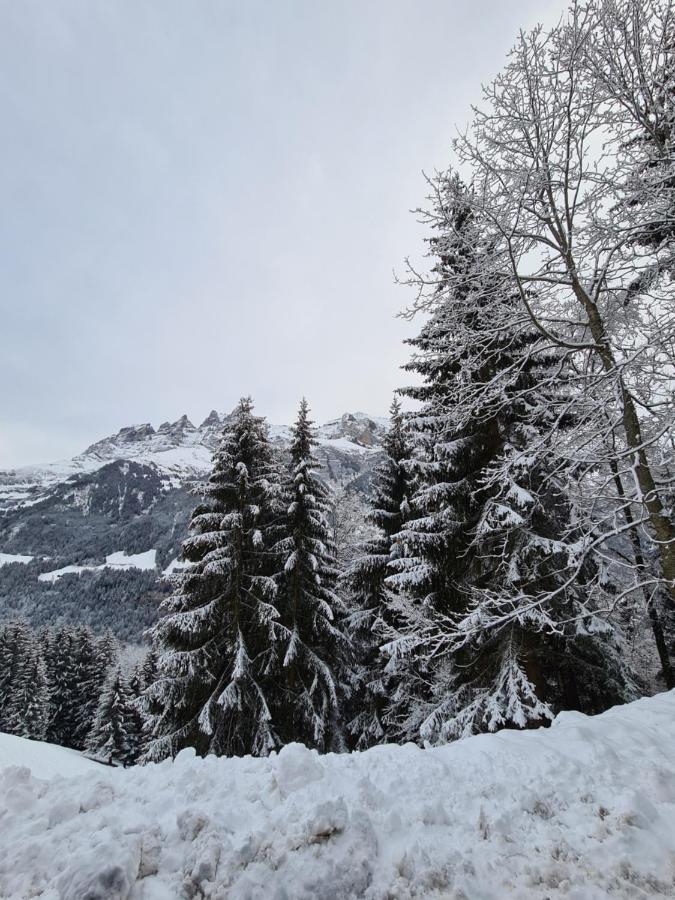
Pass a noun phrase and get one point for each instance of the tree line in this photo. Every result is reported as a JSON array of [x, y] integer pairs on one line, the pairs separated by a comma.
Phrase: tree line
[[65, 686]]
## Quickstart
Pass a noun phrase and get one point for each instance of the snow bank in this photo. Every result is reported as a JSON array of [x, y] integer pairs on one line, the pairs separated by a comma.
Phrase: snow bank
[[43, 760], [583, 810]]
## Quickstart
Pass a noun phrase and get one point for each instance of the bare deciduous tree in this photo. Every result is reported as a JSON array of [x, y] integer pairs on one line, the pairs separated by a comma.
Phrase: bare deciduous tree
[[572, 170]]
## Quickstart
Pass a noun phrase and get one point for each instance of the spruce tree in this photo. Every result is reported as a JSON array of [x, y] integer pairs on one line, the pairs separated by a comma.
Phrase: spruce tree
[[136, 691], [63, 671], [113, 736], [93, 661], [148, 668], [219, 640], [14, 657], [373, 619], [315, 651], [499, 628], [106, 653], [29, 707], [24, 696]]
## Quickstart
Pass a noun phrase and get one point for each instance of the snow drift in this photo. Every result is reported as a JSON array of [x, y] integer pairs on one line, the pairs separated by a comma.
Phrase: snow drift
[[583, 810], [43, 760]]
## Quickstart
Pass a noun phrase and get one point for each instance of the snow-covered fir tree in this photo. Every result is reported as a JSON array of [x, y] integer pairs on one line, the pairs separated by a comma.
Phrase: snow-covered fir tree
[[142, 676], [76, 665], [15, 640], [346, 518], [314, 648], [114, 735], [221, 648], [373, 617], [148, 668], [499, 621], [30, 703], [92, 660], [24, 693], [61, 661], [106, 652]]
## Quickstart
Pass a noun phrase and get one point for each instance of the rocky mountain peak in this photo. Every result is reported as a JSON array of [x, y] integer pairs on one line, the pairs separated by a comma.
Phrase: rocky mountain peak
[[134, 433], [211, 421], [177, 428], [348, 449], [184, 424], [356, 427]]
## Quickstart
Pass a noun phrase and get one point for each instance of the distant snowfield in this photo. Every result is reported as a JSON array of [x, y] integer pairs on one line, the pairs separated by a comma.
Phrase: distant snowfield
[[7, 558], [176, 566], [584, 810], [118, 560]]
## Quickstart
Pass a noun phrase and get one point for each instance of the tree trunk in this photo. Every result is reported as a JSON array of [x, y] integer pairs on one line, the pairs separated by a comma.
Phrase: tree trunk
[[657, 628], [664, 532]]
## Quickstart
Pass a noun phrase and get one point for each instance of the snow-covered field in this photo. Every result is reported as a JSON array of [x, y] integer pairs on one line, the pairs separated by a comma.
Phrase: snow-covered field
[[7, 558], [583, 810], [119, 560]]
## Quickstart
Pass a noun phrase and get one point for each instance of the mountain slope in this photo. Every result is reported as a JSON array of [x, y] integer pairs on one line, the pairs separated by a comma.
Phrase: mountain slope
[[130, 493], [179, 452]]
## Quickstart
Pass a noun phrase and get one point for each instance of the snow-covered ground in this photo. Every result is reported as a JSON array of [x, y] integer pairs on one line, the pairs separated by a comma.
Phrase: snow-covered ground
[[583, 810], [43, 760], [121, 560], [118, 560], [7, 558]]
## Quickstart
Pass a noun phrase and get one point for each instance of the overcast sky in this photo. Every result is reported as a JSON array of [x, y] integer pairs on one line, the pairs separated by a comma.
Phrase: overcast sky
[[201, 199]]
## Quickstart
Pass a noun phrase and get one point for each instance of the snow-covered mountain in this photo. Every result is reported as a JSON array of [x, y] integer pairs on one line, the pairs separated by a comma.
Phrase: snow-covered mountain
[[72, 533], [178, 452]]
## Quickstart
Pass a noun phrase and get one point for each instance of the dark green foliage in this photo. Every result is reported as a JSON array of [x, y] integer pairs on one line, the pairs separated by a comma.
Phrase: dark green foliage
[[76, 667], [314, 649], [24, 697], [219, 639], [51, 684], [373, 619], [491, 561], [114, 735], [124, 601]]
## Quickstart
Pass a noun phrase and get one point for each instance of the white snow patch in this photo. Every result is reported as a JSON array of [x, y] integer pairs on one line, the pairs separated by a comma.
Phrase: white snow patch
[[348, 446], [120, 560], [583, 810], [176, 566], [42, 760], [7, 558], [66, 570]]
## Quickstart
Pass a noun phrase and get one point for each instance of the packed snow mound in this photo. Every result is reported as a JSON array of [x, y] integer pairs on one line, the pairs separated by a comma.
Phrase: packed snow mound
[[583, 810], [42, 760]]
